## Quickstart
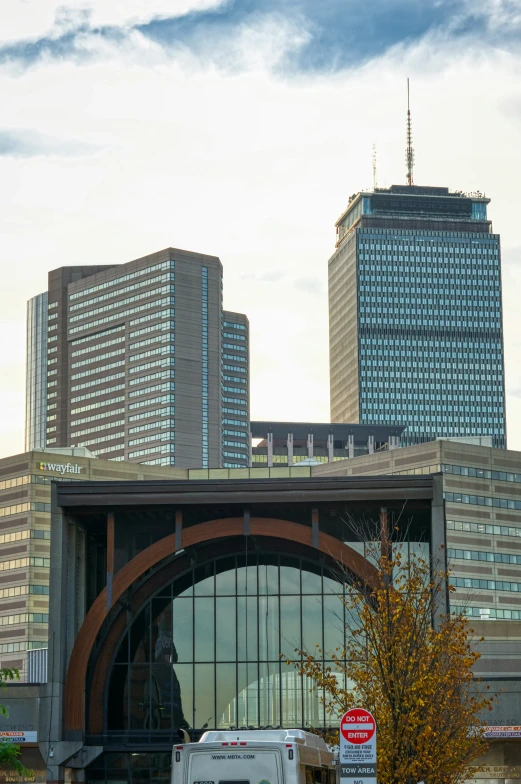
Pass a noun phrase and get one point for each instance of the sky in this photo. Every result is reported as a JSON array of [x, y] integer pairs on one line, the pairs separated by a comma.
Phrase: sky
[[240, 128]]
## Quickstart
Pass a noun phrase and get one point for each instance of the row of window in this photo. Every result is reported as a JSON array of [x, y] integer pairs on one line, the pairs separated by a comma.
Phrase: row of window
[[10, 620], [96, 370], [160, 461], [481, 473], [234, 347], [99, 404], [483, 528], [234, 368], [238, 455], [98, 335], [233, 325], [237, 412], [96, 417], [490, 612], [166, 278], [129, 312], [20, 563], [17, 536], [148, 390], [488, 585], [165, 265], [33, 506], [22, 590], [480, 500], [161, 327], [158, 412], [98, 358], [122, 303], [150, 377], [164, 423], [97, 346], [108, 437], [234, 390], [169, 349], [237, 445], [483, 555], [105, 450], [159, 338], [161, 449], [239, 400], [156, 363], [168, 313], [235, 380], [168, 436], [98, 392], [237, 433], [231, 336], [234, 358], [100, 429], [237, 422]]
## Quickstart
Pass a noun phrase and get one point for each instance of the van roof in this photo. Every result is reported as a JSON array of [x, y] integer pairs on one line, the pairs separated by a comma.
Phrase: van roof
[[279, 736]]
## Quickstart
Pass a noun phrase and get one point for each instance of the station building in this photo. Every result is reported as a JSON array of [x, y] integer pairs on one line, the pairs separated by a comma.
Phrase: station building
[[172, 601]]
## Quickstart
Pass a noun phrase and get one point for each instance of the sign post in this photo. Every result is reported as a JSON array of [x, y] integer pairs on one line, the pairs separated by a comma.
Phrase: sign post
[[358, 747]]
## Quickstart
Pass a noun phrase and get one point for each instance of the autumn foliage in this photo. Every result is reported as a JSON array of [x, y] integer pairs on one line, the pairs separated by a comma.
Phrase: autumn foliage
[[409, 662]]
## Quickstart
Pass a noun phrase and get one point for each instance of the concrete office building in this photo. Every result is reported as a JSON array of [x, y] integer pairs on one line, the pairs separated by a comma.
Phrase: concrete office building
[[415, 314], [292, 443], [482, 495], [36, 373], [135, 361], [25, 524]]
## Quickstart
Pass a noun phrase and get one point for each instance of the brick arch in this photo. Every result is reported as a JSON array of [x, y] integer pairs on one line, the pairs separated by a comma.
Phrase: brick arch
[[74, 707]]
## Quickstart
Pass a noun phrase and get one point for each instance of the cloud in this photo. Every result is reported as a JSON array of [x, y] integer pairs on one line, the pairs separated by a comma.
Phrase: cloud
[[289, 36], [33, 20], [19, 143]]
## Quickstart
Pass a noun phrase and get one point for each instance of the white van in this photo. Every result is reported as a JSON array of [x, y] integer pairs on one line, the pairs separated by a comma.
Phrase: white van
[[254, 757]]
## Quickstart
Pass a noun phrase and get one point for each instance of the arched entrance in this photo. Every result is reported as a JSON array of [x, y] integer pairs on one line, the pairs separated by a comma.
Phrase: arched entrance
[[215, 530], [204, 651]]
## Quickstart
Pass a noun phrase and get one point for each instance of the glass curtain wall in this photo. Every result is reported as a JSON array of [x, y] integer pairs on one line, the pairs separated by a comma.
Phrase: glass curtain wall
[[36, 373], [205, 652]]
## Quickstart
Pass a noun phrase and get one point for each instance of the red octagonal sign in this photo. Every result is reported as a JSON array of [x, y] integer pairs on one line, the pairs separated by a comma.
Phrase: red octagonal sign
[[358, 726]]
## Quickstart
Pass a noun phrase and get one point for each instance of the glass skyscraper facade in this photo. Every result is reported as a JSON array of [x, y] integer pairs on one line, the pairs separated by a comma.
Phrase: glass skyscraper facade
[[36, 373], [416, 316]]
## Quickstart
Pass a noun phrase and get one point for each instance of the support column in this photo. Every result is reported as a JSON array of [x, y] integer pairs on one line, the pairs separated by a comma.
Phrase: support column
[[394, 442], [385, 541], [270, 450], [289, 444], [330, 448], [370, 445], [439, 544], [314, 527], [110, 557], [310, 444], [250, 451], [178, 531], [351, 445]]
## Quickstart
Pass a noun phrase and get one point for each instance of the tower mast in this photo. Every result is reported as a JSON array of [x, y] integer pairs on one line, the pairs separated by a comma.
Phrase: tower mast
[[375, 185], [409, 153]]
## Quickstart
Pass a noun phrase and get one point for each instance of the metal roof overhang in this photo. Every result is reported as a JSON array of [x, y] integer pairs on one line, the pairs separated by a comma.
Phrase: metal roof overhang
[[244, 491]]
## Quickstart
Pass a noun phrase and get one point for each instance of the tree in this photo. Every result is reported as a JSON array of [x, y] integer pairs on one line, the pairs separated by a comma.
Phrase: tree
[[10, 752], [409, 662]]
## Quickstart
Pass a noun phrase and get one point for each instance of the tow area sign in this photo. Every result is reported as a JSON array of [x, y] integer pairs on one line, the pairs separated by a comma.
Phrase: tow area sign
[[358, 747]]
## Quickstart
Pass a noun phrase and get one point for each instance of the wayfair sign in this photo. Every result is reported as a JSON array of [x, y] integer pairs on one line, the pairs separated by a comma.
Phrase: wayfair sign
[[61, 468]]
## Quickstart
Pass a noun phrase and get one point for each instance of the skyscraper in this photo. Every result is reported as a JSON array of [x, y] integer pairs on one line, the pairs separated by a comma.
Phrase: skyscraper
[[415, 314], [135, 356], [36, 373]]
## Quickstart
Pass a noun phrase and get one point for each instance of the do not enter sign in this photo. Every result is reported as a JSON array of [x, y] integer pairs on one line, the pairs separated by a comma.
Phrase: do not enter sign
[[358, 726], [358, 747]]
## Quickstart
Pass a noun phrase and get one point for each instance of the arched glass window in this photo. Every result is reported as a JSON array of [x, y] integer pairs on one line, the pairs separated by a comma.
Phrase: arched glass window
[[205, 651]]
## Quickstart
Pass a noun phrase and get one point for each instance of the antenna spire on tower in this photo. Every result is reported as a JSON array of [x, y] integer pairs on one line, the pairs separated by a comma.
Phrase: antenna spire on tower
[[409, 154], [375, 184]]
